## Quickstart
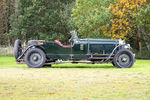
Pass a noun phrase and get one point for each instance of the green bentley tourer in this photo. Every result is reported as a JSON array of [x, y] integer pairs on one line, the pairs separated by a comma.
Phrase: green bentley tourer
[[39, 52]]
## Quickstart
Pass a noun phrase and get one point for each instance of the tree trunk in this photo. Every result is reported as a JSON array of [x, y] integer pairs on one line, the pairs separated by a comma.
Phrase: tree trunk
[[140, 46], [140, 38], [145, 37]]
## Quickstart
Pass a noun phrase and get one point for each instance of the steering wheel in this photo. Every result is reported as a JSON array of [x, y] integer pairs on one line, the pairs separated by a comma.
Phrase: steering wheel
[[70, 40], [74, 36]]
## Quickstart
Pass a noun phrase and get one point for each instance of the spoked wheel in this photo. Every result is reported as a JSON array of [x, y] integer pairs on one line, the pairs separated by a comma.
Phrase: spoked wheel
[[17, 49], [35, 58], [124, 59]]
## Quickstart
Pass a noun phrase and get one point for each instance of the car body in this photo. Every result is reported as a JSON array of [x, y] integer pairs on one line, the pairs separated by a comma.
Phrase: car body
[[39, 52]]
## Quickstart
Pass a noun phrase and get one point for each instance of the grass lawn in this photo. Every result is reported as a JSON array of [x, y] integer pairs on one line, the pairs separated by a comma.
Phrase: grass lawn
[[74, 81]]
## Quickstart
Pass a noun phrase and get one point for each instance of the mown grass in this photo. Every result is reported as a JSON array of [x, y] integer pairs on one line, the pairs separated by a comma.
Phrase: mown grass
[[74, 81], [142, 66]]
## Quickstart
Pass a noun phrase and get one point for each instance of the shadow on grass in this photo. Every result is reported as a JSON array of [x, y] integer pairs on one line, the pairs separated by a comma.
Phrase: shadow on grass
[[104, 66]]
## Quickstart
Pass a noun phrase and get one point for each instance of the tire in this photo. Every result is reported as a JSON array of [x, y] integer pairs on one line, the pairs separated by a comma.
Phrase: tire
[[35, 58], [17, 49], [123, 59]]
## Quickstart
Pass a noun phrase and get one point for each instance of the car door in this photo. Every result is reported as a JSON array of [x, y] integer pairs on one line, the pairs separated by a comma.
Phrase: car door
[[79, 51]]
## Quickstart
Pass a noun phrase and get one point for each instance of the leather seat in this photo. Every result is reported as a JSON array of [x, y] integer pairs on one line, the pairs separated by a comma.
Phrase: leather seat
[[59, 43]]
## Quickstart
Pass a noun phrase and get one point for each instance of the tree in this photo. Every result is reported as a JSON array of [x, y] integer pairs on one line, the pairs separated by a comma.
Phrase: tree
[[90, 16], [142, 20], [7, 9], [3, 20], [130, 18], [42, 19]]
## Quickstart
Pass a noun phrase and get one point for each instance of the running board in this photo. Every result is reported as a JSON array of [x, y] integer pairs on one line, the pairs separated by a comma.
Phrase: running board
[[61, 62], [96, 58]]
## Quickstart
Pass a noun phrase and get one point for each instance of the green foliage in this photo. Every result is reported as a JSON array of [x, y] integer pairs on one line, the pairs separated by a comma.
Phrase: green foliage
[[142, 18], [126, 19], [90, 15], [141, 33], [42, 19], [143, 15]]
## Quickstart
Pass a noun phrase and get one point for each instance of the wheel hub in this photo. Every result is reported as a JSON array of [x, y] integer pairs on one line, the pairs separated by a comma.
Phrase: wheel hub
[[35, 58], [124, 59]]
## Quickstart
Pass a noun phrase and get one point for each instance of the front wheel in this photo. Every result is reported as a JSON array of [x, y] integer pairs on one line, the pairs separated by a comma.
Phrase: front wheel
[[124, 58], [35, 58]]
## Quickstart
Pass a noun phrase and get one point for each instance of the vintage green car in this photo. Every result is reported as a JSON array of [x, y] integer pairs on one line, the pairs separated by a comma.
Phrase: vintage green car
[[39, 52]]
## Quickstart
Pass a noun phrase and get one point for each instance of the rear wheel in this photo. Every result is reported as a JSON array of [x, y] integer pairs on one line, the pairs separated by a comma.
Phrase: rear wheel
[[17, 49], [124, 59], [35, 58]]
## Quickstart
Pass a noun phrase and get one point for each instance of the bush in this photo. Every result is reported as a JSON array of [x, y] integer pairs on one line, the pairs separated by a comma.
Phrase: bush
[[145, 54]]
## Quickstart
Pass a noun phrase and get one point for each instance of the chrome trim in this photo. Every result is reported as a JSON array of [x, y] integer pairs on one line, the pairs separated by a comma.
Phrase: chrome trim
[[121, 42]]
